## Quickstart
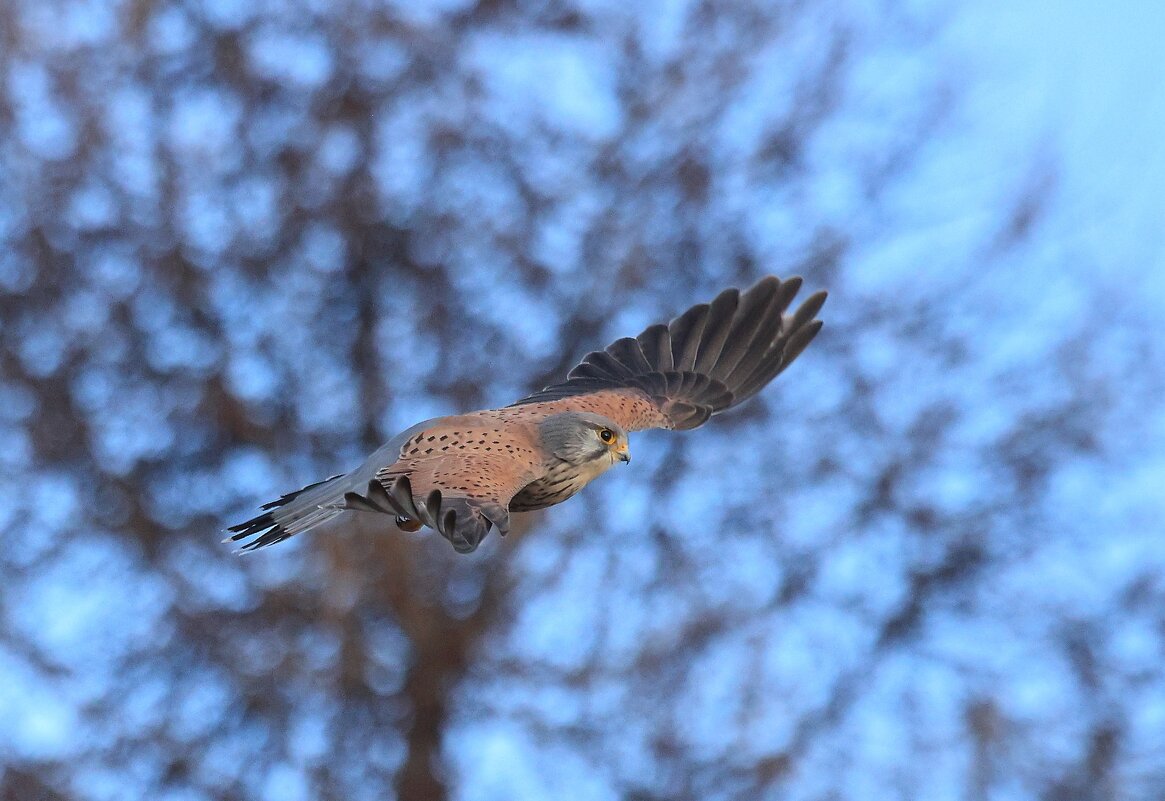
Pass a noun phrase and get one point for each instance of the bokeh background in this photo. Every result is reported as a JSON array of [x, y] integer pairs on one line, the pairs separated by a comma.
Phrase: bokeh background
[[242, 243]]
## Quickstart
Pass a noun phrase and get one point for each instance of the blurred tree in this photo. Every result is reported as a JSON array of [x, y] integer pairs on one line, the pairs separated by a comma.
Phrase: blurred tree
[[237, 240]]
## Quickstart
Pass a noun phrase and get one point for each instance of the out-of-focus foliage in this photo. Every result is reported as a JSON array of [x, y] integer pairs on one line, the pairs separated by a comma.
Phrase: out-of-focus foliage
[[243, 243]]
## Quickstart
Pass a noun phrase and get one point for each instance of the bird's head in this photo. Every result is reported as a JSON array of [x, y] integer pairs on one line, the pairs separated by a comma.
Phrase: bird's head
[[584, 437]]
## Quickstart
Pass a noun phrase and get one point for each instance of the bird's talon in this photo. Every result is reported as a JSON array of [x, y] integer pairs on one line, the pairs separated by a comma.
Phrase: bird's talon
[[407, 524]]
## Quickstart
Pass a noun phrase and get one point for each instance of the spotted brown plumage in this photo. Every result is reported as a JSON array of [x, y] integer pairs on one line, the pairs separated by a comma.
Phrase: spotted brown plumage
[[463, 475]]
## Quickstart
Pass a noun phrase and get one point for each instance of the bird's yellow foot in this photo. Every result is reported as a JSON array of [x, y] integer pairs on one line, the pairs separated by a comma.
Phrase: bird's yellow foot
[[407, 524]]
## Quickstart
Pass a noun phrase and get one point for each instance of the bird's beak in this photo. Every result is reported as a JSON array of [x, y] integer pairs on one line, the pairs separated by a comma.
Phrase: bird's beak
[[623, 454]]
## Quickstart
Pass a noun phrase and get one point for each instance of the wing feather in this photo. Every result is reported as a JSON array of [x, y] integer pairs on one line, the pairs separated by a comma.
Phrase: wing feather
[[710, 358], [686, 331], [716, 331], [629, 354], [656, 344]]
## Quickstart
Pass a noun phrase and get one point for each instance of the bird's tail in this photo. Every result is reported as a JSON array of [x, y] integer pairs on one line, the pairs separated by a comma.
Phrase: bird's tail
[[316, 503], [294, 512]]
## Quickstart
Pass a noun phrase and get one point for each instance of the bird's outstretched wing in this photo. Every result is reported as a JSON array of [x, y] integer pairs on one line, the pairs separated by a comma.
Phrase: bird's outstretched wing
[[708, 359]]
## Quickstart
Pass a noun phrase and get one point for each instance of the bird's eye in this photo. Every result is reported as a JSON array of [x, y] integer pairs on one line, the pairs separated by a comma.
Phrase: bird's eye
[[606, 435]]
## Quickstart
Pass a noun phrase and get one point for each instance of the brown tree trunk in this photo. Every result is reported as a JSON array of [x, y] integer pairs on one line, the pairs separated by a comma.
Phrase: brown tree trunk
[[439, 663]]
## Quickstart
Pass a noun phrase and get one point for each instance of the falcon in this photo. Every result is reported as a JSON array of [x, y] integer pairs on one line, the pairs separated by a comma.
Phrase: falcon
[[463, 475]]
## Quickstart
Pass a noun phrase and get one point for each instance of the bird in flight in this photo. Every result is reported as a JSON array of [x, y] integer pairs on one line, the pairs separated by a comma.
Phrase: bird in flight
[[463, 474]]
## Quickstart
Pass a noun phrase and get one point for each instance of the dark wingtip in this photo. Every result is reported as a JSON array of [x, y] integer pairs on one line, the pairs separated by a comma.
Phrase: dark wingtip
[[798, 342], [808, 310]]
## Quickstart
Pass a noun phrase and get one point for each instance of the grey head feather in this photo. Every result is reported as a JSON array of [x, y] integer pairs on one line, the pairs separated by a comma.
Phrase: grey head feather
[[573, 436]]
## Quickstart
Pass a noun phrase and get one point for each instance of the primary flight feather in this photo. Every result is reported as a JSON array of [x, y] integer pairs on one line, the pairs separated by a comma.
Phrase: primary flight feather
[[463, 475]]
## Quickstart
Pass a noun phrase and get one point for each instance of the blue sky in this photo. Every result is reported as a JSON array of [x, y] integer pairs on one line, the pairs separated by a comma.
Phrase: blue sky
[[1083, 80]]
